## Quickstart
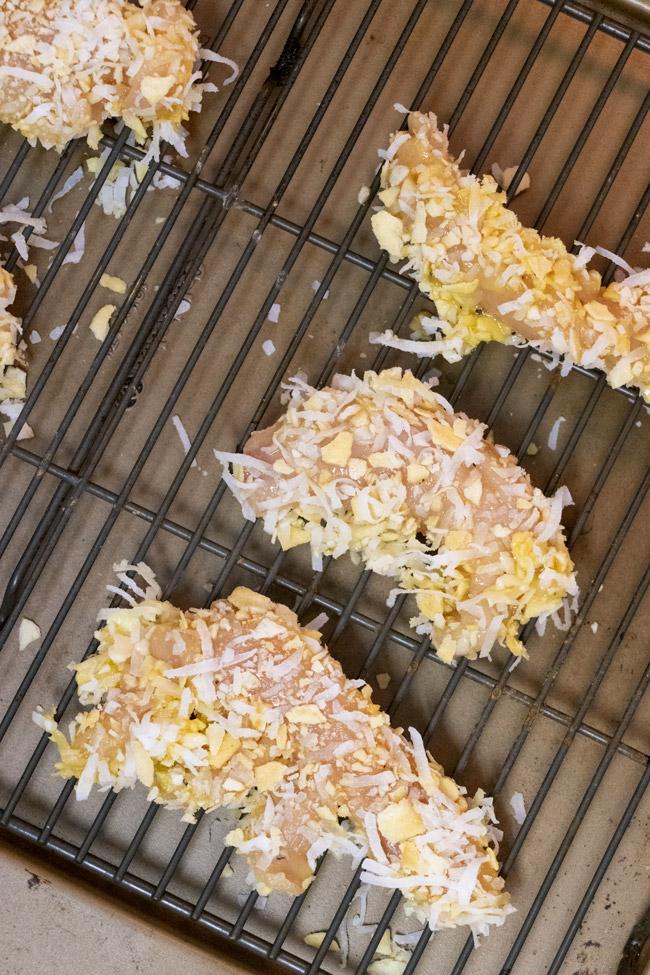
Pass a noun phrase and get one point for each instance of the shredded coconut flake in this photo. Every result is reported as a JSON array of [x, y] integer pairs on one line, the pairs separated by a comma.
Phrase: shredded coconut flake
[[518, 807], [183, 436], [554, 432]]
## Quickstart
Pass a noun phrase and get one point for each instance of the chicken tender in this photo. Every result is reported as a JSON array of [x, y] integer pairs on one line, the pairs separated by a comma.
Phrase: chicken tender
[[383, 468], [238, 706], [67, 65], [494, 280]]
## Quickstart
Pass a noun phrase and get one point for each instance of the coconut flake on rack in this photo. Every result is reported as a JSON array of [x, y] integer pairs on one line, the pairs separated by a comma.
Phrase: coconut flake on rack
[[268, 347], [182, 309], [209, 55], [518, 807], [146, 573], [554, 432], [12, 410], [73, 179], [274, 313], [504, 178], [57, 332], [76, 253], [19, 213], [35, 337], [100, 323], [315, 285], [639, 279], [183, 436], [28, 632]]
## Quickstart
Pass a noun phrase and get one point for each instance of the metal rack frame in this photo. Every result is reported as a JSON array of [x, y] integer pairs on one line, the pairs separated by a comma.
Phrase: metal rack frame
[[75, 479]]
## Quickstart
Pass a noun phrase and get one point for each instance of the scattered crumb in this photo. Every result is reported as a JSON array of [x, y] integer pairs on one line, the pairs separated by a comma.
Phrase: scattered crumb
[[555, 430], [387, 966], [227, 870], [113, 284], [601, 587], [31, 271], [316, 938], [28, 632], [594, 627], [78, 249], [99, 324], [183, 435], [57, 332], [363, 194], [12, 411], [315, 285], [532, 449], [383, 680], [638, 423], [26, 432], [35, 337], [274, 313], [385, 946], [518, 807], [504, 178], [182, 309], [268, 347]]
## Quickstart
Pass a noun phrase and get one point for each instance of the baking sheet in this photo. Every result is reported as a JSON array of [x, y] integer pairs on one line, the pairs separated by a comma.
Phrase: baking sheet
[[612, 915]]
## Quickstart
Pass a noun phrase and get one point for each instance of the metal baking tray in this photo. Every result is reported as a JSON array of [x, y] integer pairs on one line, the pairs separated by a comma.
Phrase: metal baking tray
[[266, 211]]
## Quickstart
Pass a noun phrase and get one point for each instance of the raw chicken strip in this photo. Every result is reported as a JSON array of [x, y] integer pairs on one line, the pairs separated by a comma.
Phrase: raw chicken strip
[[238, 706], [382, 467], [494, 280], [67, 65], [13, 362]]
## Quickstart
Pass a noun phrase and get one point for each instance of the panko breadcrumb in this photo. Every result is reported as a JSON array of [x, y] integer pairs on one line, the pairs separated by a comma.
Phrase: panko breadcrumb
[[383, 468], [494, 280], [67, 65], [13, 361], [237, 706]]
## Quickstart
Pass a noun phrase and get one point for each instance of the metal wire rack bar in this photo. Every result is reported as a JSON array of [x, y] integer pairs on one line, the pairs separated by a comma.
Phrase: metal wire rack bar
[[74, 479]]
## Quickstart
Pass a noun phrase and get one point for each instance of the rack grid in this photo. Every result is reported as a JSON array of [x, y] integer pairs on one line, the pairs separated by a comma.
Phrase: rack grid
[[264, 211]]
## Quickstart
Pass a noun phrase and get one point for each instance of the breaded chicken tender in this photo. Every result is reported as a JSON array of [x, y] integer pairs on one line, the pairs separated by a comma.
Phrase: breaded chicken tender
[[381, 467], [238, 706], [67, 65], [13, 362], [494, 280]]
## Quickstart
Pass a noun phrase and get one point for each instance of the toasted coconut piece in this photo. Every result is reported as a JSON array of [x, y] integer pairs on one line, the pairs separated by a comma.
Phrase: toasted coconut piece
[[493, 279], [13, 361], [382, 467], [67, 65], [238, 706]]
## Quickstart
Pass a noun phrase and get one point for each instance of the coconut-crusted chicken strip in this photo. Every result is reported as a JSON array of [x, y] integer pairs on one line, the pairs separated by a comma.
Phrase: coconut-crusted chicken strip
[[493, 279], [13, 361], [381, 467], [237, 706], [67, 65]]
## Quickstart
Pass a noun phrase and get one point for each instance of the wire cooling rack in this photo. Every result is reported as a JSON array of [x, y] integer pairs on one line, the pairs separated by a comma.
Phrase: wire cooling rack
[[264, 212]]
